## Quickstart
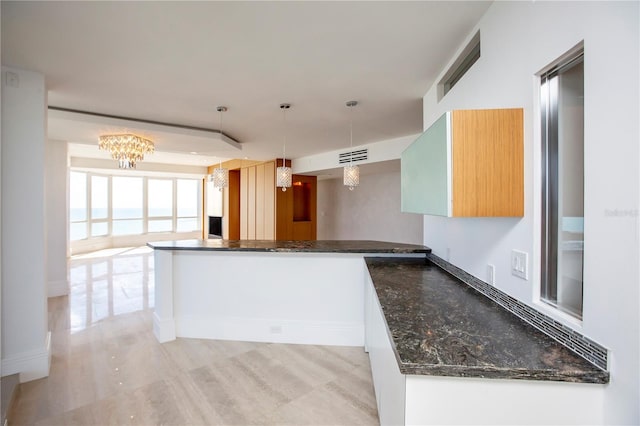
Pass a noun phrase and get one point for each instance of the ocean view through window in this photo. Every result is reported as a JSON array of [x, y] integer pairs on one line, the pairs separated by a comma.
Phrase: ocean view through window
[[104, 206]]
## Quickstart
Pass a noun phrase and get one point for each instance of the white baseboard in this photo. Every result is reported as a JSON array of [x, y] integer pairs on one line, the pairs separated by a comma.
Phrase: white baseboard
[[272, 331], [30, 365], [57, 288], [164, 329]]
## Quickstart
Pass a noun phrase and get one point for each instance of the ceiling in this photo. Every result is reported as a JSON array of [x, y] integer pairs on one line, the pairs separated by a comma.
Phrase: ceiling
[[175, 62]]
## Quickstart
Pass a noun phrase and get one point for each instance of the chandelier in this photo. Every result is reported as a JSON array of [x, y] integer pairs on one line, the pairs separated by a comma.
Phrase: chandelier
[[351, 172], [127, 148], [283, 174], [220, 176]]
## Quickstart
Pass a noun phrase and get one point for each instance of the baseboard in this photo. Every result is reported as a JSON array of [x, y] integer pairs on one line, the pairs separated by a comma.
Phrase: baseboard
[[57, 288], [164, 329], [272, 331], [30, 365]]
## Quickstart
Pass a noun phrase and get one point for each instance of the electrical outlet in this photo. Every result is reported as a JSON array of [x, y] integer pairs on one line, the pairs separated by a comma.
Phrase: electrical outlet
[[12, 79], [491, 274], [520, 264], [275, 329]]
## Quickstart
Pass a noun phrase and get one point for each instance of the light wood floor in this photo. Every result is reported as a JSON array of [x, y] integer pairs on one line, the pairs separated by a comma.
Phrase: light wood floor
[[108, 368]]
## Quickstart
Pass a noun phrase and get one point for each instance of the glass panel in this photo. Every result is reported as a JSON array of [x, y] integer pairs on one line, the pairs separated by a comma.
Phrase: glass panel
[[99, 229], [77, 197], [424, 169], [187, 197], [77, 231], [187, 224], [160, 197], [127, 227], [571, 188], [165, 225], [562, 258], [127, 198], [99, 197]]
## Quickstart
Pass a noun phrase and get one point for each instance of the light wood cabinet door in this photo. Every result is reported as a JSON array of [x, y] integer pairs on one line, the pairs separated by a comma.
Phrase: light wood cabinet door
[[269, 202]]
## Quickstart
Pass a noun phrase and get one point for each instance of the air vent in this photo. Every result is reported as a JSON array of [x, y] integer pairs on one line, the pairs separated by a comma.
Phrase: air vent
[[353, 156], [465, 61]]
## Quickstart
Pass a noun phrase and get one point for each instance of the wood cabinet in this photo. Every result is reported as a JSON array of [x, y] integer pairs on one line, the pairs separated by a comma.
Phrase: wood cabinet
[[254, 209], [257, 201], [469, 163], [296, 209]]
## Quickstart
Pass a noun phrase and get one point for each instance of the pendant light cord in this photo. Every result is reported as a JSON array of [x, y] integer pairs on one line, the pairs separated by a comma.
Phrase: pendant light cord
[[351, 135], [221, 134]]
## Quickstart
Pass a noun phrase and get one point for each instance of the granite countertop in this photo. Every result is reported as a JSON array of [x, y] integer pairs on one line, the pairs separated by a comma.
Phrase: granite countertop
[[442, 327], [317, 246]]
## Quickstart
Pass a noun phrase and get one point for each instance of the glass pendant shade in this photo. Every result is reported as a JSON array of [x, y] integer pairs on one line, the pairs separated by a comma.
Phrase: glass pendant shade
[[220, 178], [351, 176], [351, 172], [283, 177], [283, 174]]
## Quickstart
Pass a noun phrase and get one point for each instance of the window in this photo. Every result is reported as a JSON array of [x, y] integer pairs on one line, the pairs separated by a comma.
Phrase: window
[[187, 204], [127, 205], [99, 206], [77, 206], [105, 206], [562, 114], [160, 205]]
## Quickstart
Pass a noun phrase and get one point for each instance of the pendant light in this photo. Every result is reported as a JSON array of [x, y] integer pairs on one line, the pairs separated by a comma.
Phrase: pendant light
[[283, 174], [220, 176], [351, 172]]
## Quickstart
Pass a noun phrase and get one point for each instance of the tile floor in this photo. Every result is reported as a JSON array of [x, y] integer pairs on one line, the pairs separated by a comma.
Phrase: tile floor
[[107, 367]]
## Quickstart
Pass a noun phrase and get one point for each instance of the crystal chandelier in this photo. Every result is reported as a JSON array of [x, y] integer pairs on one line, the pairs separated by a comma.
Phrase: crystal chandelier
[[127, 148], [283, 174], [220, 176], [351, 172]]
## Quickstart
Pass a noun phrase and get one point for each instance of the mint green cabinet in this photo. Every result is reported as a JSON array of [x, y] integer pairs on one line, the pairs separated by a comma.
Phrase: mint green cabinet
[[426, 170]]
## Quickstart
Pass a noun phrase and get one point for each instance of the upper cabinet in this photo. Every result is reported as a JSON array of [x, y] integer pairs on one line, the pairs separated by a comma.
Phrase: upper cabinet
[[469, 163]]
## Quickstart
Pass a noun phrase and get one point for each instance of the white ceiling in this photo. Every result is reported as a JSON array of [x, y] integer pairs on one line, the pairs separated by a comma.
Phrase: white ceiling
[[175, 62]]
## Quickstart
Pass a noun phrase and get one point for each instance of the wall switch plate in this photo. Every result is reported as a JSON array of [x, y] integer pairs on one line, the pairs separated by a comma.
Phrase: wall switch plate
[[520, 264], [491, 274]]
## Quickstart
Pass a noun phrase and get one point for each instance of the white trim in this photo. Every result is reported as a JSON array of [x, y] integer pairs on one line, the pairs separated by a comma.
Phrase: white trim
[[449, 164], [164, 329], [57, 288], [334, 333], [31, 365]]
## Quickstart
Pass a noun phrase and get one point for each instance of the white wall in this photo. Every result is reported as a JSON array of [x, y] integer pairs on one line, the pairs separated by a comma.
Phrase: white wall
[[56, 202], [518, 40], [25, 340], [369, 212], [385, 150]]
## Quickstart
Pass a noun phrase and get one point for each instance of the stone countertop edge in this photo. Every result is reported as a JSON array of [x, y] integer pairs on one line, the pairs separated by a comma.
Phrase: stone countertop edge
[[270, 246], [453, 330]]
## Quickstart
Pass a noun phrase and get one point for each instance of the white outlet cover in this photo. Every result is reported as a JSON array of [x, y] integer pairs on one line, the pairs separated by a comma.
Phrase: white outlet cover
[[520, 264], [491, 274]]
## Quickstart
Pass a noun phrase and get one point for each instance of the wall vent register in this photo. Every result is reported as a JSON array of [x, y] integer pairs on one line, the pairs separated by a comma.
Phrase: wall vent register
[[353, 156]]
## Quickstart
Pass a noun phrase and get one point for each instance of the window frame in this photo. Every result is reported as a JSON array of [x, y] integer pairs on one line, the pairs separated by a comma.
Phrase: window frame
[[89, 221], [550, 182]]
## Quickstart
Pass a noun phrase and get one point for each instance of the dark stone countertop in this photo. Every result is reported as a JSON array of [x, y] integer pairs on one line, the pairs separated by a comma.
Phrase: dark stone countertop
[[318, 246], [442, 327]]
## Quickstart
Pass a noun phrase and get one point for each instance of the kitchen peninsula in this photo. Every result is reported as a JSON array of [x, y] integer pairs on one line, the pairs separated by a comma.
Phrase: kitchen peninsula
[[440, 352]]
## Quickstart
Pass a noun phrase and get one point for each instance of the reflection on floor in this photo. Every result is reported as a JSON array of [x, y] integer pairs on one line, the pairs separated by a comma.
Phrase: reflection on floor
[[108, 368]]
